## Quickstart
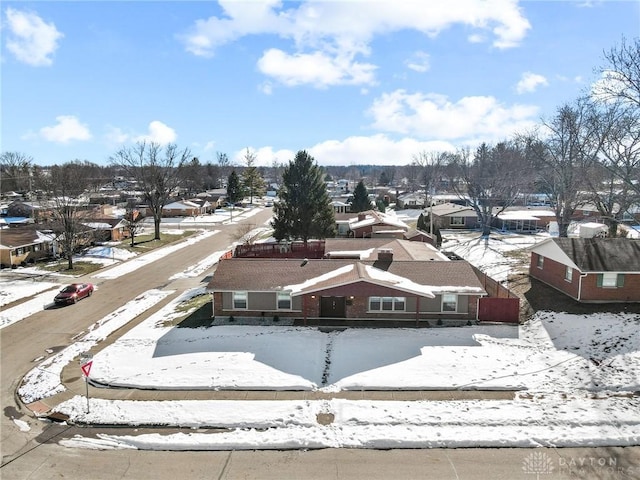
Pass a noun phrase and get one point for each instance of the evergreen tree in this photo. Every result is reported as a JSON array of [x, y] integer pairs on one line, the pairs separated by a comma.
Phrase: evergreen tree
[[252, 180], [361, 200], [234, 188], [304, 208]]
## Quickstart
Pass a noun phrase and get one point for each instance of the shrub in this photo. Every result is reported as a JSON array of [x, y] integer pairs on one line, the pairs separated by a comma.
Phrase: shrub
[[439, 322], [276, 318]]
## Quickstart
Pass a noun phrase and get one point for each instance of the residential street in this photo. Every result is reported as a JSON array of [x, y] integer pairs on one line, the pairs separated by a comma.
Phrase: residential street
[[36, 454]]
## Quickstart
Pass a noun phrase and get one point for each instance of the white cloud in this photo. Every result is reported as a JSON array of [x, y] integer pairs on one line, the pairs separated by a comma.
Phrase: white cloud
[[374, 150], [419, 62], [329, 35], [318, 69], [115, 136], [158, 133], [67, 129], [30, 39], [529, 82], [434, 116]]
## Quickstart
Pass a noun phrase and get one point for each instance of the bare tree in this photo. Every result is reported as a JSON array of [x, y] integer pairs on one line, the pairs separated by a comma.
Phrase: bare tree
[[133, 223], [431, 164], [65, 187], [246, 233], [15, 172], [157, 171], [491, 179], [619, 134], [563, 154], [621, 74]]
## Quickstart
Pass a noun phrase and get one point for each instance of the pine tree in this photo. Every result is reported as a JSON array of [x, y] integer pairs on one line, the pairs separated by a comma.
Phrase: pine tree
[[361, 200], [234, 188], [303, 210]]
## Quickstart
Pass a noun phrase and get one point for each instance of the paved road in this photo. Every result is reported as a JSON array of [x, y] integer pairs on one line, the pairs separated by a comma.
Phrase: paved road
[[35, 454]]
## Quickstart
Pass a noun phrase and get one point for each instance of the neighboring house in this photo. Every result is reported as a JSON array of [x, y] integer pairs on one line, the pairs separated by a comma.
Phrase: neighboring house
[[346, 289], [182, 208], [454, 216], [412, 200], [107, 229], [371, 224], [596, 270], [22, 245], [524, 220], [340, 207]]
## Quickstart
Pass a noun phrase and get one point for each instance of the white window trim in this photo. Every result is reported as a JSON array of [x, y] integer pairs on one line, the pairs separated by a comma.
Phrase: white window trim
[[443, 302], [540, 263], [402, 300], [568, 274], [283, 296], [609, 280], [240, 295]]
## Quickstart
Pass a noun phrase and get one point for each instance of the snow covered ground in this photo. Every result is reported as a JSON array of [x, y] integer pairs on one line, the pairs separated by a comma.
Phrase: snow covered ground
[[576, 377]]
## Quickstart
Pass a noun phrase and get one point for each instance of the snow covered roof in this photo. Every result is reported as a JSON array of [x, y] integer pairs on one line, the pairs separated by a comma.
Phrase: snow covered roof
[[301, 277]]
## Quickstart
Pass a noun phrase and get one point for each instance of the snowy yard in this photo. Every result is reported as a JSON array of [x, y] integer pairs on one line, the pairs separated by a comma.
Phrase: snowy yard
[[576, 377]]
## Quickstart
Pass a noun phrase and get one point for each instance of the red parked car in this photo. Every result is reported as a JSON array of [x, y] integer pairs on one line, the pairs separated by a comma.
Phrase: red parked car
[[72, 293]]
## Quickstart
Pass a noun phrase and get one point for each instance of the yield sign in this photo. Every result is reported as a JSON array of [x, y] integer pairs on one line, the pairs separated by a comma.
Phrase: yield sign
[[86, 368]]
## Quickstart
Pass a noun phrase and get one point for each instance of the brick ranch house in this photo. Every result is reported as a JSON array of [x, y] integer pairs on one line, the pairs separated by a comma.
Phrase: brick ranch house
[[596, 270], [346, 289]]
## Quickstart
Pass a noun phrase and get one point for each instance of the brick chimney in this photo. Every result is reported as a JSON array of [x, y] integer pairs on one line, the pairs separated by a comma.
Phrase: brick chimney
[[385, 254]]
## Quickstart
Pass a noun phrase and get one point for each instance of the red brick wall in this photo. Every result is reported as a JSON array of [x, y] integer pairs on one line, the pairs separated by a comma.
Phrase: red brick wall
[[630, 292], [552, 274]]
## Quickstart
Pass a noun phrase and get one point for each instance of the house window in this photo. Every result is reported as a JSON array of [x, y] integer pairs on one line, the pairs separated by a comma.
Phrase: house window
[[36, 248], [284, 301], [20, 251], [568, 274], [387, 304], [610, 280], [540, 262], [449, 302], [457, 221], [239, 300]]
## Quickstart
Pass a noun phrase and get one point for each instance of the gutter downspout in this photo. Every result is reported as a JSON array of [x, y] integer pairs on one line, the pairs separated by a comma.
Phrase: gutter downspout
[[582, 275]]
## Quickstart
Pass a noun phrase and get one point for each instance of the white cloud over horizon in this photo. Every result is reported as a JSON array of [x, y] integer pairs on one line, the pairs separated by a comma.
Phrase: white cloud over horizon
[[434, 116], [158, 133], [29, 38], [66, 130], [356, 150]]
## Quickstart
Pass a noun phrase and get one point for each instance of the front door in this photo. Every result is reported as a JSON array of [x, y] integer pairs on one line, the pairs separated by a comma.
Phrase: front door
[[333, 307]]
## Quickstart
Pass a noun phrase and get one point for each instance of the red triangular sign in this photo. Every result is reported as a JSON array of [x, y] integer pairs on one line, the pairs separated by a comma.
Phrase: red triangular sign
[[86, 368]]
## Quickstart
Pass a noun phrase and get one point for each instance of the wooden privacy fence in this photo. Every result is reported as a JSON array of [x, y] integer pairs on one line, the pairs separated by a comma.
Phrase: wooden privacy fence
[[501, 305]]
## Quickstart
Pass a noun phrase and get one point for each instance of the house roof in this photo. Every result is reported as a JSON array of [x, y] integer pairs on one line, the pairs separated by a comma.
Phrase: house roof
[[300, 277], [452, 209], [20, 237], [368, 247], [600, 254], [377, 218]]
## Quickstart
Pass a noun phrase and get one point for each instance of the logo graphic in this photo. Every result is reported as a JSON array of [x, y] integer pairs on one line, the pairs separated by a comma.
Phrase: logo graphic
[[537, 463]]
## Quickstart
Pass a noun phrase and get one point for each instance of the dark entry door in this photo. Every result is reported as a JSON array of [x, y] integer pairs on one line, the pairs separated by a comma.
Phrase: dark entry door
[[333, 307]]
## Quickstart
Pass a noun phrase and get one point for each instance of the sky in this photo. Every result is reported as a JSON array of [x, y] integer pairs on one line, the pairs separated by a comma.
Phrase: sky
[[574, 376], [351, 82]]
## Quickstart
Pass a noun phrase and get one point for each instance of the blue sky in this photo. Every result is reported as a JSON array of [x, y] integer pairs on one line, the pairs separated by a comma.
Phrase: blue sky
[[352, 82]]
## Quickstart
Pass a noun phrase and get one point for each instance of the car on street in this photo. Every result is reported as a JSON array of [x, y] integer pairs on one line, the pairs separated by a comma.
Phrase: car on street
[[74, 292]]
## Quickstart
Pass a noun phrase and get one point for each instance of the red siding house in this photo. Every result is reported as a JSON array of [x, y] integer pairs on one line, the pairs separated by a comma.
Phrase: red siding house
[[330, 291], [596, 270]]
